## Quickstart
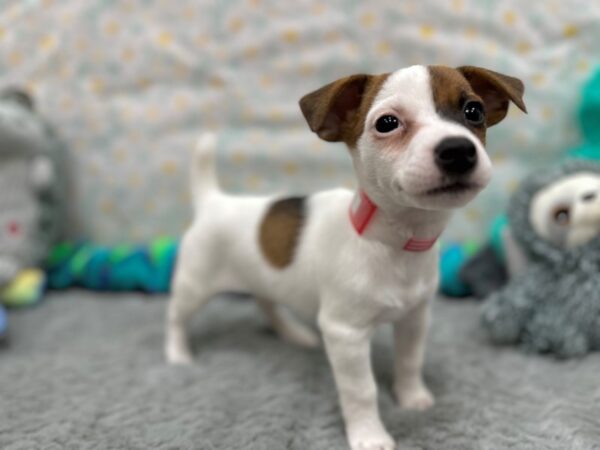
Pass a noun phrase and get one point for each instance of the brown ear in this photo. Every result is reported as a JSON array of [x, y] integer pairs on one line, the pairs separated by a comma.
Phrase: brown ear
[[495, 89], [330, 110]]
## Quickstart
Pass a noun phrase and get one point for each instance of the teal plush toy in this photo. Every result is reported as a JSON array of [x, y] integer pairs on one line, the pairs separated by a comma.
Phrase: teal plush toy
[[147, 268]]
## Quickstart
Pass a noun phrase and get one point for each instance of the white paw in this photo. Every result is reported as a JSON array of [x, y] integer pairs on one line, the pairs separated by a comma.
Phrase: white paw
[[304, 338], [370, 440], [418, 399], [179, 355]]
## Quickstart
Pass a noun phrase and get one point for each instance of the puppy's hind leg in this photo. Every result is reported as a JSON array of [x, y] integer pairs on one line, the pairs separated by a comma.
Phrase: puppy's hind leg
[[187, 297], [288, 327]]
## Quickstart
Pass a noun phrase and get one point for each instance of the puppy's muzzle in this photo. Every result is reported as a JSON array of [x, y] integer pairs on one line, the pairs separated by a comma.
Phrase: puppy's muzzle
[[456, 156]]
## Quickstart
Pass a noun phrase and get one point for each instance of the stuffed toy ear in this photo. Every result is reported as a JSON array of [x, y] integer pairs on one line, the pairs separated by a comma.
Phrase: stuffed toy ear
[[330, 109], [496, 90], [17, 95]]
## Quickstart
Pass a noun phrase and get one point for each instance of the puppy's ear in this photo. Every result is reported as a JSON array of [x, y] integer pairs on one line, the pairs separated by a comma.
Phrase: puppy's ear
[[496, 90], [332, 110]]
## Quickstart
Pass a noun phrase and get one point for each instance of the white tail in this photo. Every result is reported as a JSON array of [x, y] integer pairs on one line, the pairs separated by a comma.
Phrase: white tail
[[203, 168]]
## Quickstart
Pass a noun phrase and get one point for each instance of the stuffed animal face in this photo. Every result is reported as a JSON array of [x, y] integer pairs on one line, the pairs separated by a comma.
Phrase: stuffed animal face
[[567, 212]]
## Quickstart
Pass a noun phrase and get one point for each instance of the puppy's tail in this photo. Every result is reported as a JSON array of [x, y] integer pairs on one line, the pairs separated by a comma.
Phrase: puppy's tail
[[203, 167]]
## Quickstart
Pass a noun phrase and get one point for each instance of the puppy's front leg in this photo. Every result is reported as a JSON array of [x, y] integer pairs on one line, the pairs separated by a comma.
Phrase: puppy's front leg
[[410, 334], [348, 349]]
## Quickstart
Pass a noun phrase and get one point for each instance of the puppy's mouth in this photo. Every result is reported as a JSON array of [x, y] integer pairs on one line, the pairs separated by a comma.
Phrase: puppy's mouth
[[455, 188]]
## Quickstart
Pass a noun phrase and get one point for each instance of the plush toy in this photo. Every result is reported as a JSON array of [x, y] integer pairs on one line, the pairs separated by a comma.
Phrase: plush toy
[[145, 268], [553, 305], [32, 196]]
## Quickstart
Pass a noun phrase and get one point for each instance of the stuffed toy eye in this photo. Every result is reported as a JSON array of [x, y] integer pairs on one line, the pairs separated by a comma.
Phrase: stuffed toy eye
[[562, 216], [387, 123], [473, 112]]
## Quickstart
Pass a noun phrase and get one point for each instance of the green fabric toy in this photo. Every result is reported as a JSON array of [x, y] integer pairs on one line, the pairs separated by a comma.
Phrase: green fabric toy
[[146, 268]]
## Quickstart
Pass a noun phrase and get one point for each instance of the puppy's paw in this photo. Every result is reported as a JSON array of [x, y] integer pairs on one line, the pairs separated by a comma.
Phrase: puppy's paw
[[370, 439], [417, 398], [178, 355]]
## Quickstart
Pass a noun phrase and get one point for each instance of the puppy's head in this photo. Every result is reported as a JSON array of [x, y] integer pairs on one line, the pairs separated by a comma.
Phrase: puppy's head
[[416, 135]]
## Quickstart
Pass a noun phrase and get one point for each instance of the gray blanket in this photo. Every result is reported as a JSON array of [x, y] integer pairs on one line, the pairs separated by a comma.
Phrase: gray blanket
[[86, 371]]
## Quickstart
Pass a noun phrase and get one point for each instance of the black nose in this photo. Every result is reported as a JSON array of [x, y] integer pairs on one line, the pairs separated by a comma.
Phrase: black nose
[[456, 156]]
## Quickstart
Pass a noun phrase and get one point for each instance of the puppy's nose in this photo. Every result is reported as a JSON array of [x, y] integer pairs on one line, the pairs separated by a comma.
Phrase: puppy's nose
[[456, 156]]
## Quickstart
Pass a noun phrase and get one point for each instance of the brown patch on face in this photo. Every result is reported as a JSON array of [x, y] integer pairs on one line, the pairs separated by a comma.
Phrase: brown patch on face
[[450, 93], [280, 230], [337, 111]]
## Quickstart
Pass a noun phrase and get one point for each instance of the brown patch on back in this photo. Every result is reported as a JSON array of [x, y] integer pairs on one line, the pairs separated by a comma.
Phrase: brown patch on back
[[450, 92], [337, 111], [280, 230]]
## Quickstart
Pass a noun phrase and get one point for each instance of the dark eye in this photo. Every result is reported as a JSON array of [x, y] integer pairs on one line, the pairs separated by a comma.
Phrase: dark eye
[[387, 123], [562, 216], [588, 197], [474, 113]]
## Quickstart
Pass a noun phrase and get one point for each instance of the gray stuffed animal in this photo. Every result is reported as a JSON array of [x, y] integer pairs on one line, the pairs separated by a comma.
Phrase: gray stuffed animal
[[553, 306], [32, 185]]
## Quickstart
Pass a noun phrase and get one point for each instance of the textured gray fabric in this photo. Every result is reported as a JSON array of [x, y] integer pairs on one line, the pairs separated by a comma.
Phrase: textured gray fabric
[[555, 305], [86, 371]]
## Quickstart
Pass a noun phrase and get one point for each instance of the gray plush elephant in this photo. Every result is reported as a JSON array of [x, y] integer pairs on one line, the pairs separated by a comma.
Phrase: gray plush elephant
[[32, 185], [553, 305]]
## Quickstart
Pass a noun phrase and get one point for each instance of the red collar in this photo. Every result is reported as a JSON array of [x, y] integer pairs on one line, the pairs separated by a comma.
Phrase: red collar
[[362, 210]]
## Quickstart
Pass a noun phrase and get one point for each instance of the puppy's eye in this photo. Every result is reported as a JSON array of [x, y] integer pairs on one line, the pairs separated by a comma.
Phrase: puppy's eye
[[474, 113], [588, 197], [562, 216], [387, 123]]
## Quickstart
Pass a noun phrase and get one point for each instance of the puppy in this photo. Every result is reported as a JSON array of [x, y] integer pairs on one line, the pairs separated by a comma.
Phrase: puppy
[[351, 260]]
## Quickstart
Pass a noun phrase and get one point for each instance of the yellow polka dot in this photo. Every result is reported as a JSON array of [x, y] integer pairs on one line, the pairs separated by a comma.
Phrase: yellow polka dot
[[332, 36], [509, 17], [152, 113], [523, 47], [48, 42], [547, 112], [236, 24], [97, 85], [15, 58], [383, 48], [306, 69], [367, 19], [351, 49], [239, 157], [316, 145], [107, 206], [538, 79], [458, 5], [112, 28], [266, 81], [328, 171], [471, 33], [254, 3], [512, 185], [251, 52], [348, 183], [181, 102], [127, 55], [253, 182], [473, 214], [276, 115], [142, 82], [168, 168], [216, 82], [290, 36], [582, 66], [247, 114], [120, 154], [570, 31], [491, 48], [150, 206], [134, 181], [66, 104], [318, 9], [201, 40], [499, 157], [2, 33], [426, 31], [165, 38], [290, 168]]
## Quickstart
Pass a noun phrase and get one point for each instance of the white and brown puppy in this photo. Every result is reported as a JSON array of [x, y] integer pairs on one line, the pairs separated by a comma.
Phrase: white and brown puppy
[[352, 260]]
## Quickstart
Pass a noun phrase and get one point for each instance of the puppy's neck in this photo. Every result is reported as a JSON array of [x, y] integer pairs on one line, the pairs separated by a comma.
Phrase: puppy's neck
[[400, 227]]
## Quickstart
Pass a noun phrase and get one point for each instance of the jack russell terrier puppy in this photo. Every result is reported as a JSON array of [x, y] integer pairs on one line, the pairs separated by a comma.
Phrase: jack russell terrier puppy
[[351, 260]]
